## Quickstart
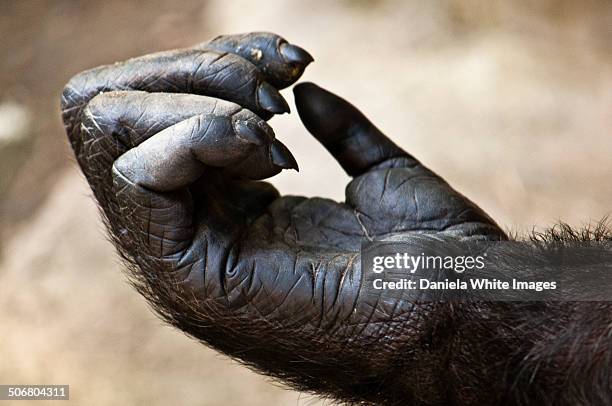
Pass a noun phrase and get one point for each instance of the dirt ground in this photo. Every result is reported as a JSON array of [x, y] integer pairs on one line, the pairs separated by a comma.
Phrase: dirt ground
[[511, 102]]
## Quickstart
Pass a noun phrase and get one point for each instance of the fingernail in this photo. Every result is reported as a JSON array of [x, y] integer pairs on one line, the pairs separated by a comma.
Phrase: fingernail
[[295, 54], [282, 157], [251, 132], [271, 100]]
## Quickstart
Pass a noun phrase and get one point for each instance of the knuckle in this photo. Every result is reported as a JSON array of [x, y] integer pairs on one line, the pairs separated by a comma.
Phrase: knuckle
[[101, 114]]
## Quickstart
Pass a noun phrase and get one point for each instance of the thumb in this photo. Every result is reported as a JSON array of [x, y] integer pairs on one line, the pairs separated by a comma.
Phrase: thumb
[[343, 130]]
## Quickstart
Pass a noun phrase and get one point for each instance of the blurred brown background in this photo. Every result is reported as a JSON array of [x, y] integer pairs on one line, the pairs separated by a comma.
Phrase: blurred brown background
[[511, 101]]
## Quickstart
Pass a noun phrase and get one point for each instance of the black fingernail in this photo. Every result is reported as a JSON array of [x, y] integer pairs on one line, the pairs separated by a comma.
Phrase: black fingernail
[[295, 54], [271, 100], [282, 157], [251, 132]]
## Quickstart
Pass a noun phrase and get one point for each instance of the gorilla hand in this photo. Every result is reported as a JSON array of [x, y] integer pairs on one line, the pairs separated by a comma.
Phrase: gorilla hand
[[171, 144]]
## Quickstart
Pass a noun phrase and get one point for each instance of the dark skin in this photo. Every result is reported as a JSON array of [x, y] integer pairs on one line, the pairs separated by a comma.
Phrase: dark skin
[[174, 146]]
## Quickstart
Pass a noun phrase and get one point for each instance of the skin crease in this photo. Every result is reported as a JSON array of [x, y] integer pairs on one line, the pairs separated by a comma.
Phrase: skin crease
[[174, 146]]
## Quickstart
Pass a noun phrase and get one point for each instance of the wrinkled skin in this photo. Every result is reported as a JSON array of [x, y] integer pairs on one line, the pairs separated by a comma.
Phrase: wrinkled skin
[[175, 145]]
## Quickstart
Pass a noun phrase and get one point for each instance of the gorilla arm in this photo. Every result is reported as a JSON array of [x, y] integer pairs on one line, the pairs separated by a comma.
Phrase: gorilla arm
[[172, 145]]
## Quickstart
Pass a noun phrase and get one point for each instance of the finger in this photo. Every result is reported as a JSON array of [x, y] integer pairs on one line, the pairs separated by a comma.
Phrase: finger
[[203, 72], [116, 122], [280, 62], [402, 195], [180, 154], [346, 133], [150, 181], [148, 224], [267, 161]]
